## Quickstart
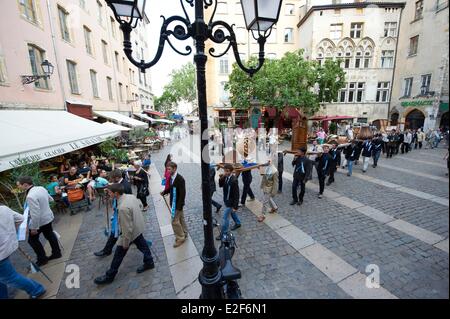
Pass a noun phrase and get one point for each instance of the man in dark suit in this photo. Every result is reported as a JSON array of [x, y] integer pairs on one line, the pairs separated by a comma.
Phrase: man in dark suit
[[335, 156], [212, 182], [117, 176], [230, 187], [323, 168], [247, 190], [177, 192], [302, 171]]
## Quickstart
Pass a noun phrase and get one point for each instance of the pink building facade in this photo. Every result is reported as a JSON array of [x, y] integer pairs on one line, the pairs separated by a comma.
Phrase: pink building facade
[[83, 42]]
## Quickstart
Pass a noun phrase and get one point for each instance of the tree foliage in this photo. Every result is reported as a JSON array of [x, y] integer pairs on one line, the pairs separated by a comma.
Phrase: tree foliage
[[181, 88], [290, 81]]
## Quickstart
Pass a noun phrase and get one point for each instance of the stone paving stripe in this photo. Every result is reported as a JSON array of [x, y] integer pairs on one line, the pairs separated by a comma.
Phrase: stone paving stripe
[[416, 193], [375, 214], [185, 273], [166, 230], [345, 201], [327, 262], [295, 237], [68, 227], [181, 253], [411, 172], [424, 162], [55, 272], [440, 200], [355, 286], [184, 260], [399, 224], [414, 231], [191, 291], [400, 188], [442, 245]]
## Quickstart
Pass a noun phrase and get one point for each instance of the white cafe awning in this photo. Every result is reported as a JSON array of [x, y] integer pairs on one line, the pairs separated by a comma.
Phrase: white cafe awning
[[164, 121], [116, 126], [33, 136], [145, 117], [121, 119]]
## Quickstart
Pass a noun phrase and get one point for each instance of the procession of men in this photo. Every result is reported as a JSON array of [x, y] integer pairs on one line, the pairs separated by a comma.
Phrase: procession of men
[[321, 160]]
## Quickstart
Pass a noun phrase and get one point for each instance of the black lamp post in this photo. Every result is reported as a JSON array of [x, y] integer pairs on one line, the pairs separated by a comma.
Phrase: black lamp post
[[47, 69], [260, 16]]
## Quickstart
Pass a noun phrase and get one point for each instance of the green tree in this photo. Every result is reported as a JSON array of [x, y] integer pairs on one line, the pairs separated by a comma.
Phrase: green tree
[[290, 81], [181, 88]]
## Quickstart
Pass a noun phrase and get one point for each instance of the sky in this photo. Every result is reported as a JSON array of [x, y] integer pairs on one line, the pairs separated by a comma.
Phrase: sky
[[170, 60]]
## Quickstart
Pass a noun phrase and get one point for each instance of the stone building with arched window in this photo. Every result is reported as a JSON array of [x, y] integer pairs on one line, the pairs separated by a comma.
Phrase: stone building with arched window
[[364, 38]]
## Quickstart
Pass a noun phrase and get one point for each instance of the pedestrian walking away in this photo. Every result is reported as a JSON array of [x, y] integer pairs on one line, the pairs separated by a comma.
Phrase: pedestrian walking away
[[9, 224], [41, 217], [230, 186], [128, 228], [177, 191]]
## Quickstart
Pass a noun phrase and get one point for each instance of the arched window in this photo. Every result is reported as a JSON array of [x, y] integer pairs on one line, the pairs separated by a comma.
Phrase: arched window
[[368, 57], [348, 57], [358, 58]]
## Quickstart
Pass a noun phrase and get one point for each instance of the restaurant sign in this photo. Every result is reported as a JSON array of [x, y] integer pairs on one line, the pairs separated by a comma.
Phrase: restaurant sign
[[24, 158], [417, 103]]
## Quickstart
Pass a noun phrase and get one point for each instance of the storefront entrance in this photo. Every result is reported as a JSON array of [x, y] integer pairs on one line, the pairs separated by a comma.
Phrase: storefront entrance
[[414, 120]]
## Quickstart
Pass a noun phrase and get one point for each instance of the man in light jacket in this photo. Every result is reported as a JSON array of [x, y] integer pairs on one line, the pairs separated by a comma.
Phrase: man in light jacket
[[9, 223], [129, 229], [41, 218]]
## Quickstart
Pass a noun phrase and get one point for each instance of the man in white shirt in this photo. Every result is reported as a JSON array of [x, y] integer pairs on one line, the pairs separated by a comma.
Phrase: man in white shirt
[[9, 222], [41, 218]]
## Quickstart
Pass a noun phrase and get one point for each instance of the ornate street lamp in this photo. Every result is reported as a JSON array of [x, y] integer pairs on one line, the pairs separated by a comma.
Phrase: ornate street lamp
[[260, 16], [47, 69]]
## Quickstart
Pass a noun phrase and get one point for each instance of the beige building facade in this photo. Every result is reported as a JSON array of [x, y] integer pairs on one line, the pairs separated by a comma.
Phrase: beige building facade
[[83, 41], [420, 92], [284, 38], [364, 37]]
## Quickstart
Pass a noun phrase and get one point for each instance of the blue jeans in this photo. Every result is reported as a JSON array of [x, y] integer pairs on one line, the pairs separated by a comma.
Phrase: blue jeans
[[226, 219], [10, 277], [350, 166]]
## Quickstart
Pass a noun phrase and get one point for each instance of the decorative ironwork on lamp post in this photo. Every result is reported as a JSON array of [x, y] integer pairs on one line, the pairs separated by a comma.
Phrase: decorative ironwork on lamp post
[[47, 69], [260, 16]]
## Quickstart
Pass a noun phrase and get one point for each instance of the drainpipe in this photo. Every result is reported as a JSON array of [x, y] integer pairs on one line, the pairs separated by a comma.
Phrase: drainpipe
[[395, 64], [55, 51]]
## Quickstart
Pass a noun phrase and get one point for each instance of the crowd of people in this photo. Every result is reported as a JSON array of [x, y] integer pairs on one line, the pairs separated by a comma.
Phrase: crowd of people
[[126, 226]]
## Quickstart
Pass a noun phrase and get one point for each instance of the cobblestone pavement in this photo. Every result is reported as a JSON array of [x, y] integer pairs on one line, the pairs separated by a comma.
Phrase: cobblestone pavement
[[409, 267], [155, 283], [271, 267]]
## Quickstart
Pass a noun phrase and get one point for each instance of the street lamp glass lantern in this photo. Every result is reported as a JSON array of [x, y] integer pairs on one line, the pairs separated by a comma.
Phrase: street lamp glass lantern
[[261, 15], [47, 68], [127, 9]]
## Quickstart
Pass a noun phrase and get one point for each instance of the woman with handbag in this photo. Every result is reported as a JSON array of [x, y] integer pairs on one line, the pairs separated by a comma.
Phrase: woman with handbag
[[141, 181]]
